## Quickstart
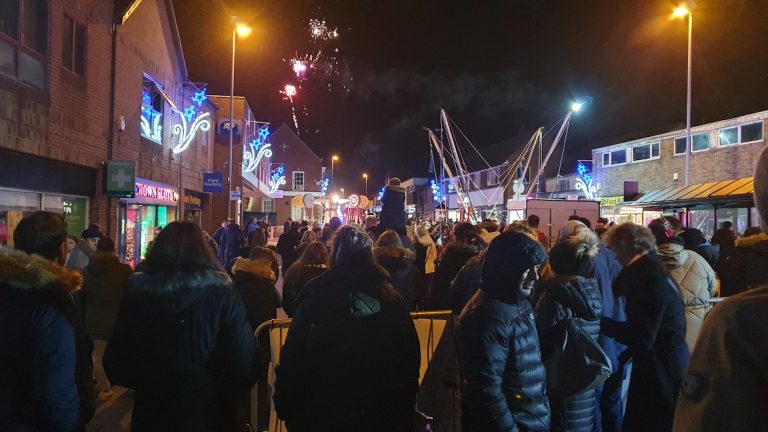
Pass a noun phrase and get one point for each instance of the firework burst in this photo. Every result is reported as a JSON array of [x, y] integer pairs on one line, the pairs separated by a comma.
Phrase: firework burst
[[289, 91]]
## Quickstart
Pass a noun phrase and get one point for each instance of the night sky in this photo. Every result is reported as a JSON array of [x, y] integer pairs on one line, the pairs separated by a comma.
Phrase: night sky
[[500, 69]]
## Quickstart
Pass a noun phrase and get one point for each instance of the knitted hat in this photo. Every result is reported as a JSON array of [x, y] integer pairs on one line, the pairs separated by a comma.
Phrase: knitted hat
[[761, 189], [506, 259]]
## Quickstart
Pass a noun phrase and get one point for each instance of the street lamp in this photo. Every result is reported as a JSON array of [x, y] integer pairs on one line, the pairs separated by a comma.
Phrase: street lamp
[[682, 12], [365, 176], [241, 29], [334, 158]]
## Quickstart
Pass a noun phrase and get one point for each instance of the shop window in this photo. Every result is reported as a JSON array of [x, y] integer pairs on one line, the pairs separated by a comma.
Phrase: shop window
[[751, 132], [703, 220], [645, 152], [151, 112], [298, 181], [680, 145], [562, 185], [739, 217], [73, 53], [14, 206], [606, 159], [728, 136], [24, 48], [700, 141], [267, 206]]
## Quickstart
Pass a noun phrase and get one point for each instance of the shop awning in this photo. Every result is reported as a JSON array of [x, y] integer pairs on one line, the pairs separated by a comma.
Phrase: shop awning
[[735, 191]]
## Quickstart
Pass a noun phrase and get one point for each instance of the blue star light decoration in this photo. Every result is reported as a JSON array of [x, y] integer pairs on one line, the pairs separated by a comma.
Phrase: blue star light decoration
[[437, 195], [381, 192], [584, 182], [199, 97], [324, 186], [190, 113]]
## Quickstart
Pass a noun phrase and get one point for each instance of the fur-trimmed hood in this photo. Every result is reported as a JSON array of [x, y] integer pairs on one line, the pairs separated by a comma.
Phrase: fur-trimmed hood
[[33, 272], [179, 289], [393, 188], [758, 243], [255, 268], [393, 253]]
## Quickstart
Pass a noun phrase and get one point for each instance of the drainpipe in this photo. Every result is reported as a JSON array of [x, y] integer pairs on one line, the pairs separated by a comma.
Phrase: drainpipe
[[111, 126]]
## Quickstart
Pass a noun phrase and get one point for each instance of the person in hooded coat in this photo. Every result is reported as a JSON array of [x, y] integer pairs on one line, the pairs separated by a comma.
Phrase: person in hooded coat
[[46, 379], [351, 359], [569, 294], [695, 241], [466, 243], [312, 263], [232, 239], [398, 261], [746, 267], [654, 332], [724, 385], [503, 378], [182, 339], [691, 272], [105, 280]]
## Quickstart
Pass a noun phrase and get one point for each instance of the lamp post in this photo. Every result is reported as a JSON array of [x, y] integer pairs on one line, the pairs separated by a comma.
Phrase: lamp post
[[682, 12], [365, 177], [242, 30], [334, 158]]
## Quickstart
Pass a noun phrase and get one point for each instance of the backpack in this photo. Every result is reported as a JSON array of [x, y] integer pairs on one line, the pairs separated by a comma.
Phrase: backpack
[[574, 361]]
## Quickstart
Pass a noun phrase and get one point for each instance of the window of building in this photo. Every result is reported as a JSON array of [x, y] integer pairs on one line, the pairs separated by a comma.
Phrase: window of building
[[24, 48], [680, 145], [562, 185], [267, 206], [728, 136], [645, 152], [298, 180], [493, 176], [751, 132], [700, 141], [151, 112], [606, 159], [73, 54], [619, 157]]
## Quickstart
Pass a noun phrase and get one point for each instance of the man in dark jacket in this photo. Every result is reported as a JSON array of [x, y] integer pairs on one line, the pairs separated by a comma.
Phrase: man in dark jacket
[[695, 241], [393, 207], [504, 381], [654, 331], [286, 246], [746, 267], [80, 256], [231, 240], [45, 367], [466, 243], [105, 281], [725, 237]]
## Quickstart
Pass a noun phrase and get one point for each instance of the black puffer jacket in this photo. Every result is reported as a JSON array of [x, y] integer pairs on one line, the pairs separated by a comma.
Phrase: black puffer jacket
[[746, 267], [556, 300], [405, 276], [183, 342], [452, 260], [466, 283], [351, 358], [504, 380]]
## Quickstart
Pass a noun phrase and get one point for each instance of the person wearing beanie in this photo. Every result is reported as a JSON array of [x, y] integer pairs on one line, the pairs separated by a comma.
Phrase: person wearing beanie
[[569, 294], [723, 387], [393, 207], [504, 380], [81, 255], [654, 331], [692, 274]]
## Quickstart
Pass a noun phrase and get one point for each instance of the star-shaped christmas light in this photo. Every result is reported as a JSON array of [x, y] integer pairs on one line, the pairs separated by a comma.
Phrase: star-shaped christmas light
[[199, 97], [190, 113]]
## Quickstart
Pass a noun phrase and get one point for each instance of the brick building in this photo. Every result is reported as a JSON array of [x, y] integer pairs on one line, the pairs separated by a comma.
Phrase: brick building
[[69, 103], [303, 172], [647, 175]]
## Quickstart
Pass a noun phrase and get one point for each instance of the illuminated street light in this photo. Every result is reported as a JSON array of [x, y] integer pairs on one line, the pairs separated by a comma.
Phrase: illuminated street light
[[682, 12], [243, 30], [334, 158], [576, 106], [365, 176]]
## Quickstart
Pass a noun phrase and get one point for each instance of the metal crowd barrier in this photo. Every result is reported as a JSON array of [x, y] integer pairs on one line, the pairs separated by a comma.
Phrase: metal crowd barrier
[[429, 326]]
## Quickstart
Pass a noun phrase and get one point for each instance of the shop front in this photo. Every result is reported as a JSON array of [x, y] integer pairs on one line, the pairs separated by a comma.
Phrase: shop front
[[58, 187], [154, 205], [193, 205]]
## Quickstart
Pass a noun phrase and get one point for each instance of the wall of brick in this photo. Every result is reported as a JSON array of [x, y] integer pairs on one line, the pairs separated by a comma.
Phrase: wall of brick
[[715, 164]]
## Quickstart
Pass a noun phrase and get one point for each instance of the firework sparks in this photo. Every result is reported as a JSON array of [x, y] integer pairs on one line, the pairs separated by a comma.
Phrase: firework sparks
[[290, 91], [299, 67], [318, 30]]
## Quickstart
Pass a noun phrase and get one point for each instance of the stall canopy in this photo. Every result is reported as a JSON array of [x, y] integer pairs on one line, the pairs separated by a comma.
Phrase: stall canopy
[[735, 191]]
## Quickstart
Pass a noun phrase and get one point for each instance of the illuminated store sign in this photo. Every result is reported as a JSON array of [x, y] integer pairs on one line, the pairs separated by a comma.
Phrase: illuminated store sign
[[156, 192]]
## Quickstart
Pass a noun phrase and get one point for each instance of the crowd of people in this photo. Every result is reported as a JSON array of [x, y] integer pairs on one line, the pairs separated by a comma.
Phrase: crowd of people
[[639, 303]]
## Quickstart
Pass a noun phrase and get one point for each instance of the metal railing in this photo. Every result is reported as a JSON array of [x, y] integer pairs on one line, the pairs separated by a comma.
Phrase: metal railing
[[427, 327]]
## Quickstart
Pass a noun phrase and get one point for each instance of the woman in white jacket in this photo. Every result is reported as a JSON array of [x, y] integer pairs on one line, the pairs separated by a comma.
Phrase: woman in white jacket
[[422, 235], [692, 273]]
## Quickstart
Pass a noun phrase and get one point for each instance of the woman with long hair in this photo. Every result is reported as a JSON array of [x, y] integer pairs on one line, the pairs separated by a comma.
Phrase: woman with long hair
[[182, 338], [312, 263], [351, 358], [308, 237]]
